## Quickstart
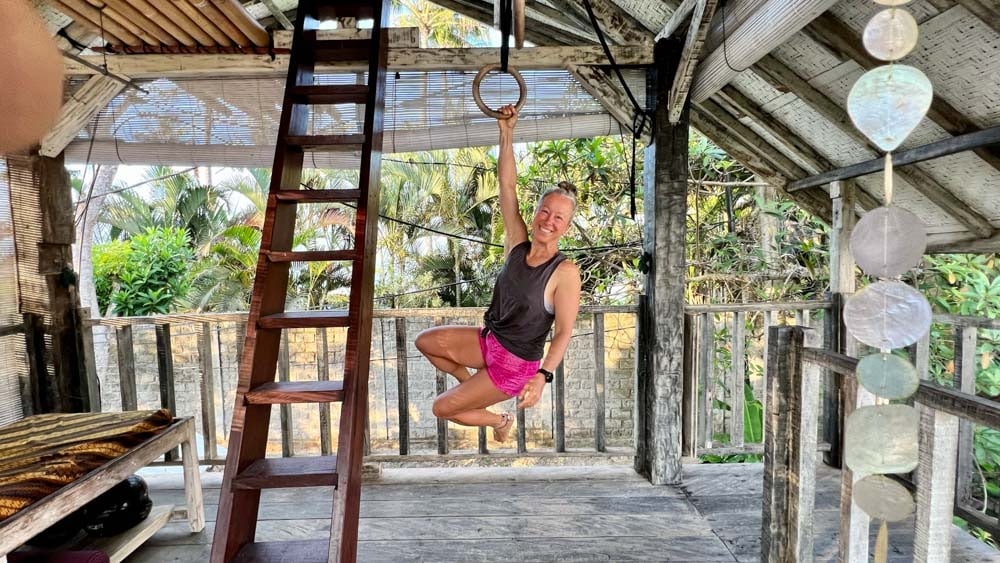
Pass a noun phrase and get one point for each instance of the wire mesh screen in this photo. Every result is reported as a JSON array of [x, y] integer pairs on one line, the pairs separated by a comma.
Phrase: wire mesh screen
[[13, 363], [234, 121]]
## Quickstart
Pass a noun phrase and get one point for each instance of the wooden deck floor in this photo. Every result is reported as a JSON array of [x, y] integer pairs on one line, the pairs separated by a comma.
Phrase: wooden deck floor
[[536, 514]]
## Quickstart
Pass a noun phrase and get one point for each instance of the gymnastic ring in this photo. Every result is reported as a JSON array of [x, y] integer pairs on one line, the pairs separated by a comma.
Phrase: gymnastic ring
[[518, 24], [479, 100]]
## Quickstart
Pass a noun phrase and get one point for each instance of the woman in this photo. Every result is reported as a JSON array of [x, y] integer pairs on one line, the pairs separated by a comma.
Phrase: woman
[[537, 286]]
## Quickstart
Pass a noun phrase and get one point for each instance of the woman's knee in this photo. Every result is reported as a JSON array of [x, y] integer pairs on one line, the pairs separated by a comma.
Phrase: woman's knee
[[442, 408], [425, 341]]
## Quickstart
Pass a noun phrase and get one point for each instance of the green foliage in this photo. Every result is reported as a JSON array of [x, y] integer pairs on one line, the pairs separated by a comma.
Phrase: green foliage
[[147, 274]]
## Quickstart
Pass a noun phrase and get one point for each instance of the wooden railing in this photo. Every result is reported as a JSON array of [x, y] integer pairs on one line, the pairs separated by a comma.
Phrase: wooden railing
[[720, 346], [213, 357], [794, 377]]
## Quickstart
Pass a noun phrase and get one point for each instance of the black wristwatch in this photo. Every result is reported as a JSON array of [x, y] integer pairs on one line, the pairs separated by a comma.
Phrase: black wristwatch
[[548, 374]]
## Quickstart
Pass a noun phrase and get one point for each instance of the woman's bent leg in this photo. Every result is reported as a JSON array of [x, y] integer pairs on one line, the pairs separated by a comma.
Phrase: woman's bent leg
[[466, 403], [452, 349]]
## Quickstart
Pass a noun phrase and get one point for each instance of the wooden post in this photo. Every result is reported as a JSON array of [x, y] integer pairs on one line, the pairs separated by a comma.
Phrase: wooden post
[[89, 361], [599, 377], [965, 381], [665, 208], [207, 390], [706, 375], [323, 374], [689, 401], [842, 285], [402, 387], [285, 410], [854, 522], [738, 378], [522, 433], [440, 386], [126, 368], [935, 477], [165, 374], [39, 380], [789, 447], [559, 397]]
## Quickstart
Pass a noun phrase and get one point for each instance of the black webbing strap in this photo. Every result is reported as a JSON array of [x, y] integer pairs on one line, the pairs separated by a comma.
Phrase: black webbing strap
[[506, 22]]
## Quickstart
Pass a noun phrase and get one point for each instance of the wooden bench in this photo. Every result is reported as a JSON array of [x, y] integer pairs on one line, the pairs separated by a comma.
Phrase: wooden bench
[[38, 516]]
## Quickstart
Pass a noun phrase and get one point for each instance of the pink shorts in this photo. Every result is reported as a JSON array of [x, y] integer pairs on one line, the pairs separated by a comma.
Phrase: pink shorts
[[508, 372]]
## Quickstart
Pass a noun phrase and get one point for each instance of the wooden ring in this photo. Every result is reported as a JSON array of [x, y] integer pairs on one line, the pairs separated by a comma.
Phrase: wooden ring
[[522, 97], [518, 24]]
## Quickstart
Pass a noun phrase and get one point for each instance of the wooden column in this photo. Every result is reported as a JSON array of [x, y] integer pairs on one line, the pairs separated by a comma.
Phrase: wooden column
[[665, 208], [66, 387], [789, 447], [842, 285]]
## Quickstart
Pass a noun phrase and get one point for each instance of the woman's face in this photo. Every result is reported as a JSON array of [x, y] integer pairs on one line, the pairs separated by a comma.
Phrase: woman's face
[[552, 218]]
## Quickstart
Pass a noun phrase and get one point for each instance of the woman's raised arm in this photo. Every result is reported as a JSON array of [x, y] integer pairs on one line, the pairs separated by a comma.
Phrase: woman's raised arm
[[515, 231]]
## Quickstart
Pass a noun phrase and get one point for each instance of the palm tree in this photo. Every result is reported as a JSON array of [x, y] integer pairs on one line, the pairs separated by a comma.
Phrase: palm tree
[[440, 27]]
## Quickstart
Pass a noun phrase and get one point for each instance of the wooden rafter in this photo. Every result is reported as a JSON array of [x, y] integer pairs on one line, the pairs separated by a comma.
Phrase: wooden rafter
[[278, 15], [609, 93], [197, 65], [738, 104], [971, 245], [535, 31], [78, 111], [841, 40], [680, 15], [618, 25], [700, 18], [785, 79], [753, 152]]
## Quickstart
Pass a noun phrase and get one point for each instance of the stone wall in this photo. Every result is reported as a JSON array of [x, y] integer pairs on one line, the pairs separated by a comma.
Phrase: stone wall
[[619, 339]]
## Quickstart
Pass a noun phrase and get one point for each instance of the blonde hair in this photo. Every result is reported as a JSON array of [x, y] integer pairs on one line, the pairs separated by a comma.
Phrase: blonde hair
[[564, 189]]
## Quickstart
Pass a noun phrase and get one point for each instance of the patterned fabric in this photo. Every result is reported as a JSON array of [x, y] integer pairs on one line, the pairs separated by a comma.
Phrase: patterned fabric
[[42, 453]]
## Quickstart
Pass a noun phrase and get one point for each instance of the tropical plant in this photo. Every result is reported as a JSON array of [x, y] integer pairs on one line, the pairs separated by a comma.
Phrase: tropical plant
[[147, 274]]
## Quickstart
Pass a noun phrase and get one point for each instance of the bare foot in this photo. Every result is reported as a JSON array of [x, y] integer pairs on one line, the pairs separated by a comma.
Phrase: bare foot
[[502, 431]]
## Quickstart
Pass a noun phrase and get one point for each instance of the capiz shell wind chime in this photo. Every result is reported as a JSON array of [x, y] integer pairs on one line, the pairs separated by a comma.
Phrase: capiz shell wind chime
[[886, 104]]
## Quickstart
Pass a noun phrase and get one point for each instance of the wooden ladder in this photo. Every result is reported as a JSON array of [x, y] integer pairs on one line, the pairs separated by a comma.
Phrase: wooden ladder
[[248, 471]]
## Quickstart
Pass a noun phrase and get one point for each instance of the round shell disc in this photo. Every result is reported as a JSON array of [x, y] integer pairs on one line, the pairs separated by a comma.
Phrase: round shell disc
[[881, 439], [888, 241], [888, 376], [892, 2], [888, 102], [887, 315], [882, 498], [891, 34]]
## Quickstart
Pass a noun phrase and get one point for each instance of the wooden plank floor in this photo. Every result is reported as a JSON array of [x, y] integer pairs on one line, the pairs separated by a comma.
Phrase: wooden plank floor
[[534, 514]]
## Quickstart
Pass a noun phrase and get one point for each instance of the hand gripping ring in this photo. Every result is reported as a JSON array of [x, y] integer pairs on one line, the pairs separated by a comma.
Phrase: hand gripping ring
[[519, 24], [479, 100]]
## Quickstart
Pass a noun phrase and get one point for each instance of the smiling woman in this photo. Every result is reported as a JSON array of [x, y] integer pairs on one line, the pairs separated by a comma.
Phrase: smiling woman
[[30, 77], [537, 286]]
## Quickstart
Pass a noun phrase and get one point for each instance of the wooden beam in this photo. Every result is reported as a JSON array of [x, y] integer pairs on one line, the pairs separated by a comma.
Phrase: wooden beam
[[785, 79], [609, 93], [937, 149], [279, 16], [426, 60], [742, 105], [78, 111], [700, 19], [749, 155], [843, 42], [618, 25], [680, 15], [986, 10], [399, 37], [767, 27], [966, 245]]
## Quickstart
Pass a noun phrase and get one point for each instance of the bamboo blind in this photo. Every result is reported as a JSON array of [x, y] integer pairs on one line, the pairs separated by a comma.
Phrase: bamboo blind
[[13, 365]]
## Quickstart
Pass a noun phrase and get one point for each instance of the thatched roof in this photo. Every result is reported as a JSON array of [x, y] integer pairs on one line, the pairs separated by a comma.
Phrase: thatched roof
[[788, 63]]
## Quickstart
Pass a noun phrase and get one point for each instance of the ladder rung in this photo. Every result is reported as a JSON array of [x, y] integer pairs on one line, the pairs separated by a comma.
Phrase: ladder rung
[[311, 255], [336, 50], [317, 94], [305, 319], [299, 551], [327, 142], [295, 392], [288, 472], [319, 196]]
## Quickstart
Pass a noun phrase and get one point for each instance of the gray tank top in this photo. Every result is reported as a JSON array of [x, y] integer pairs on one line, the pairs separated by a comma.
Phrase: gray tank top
[[517, 315]]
